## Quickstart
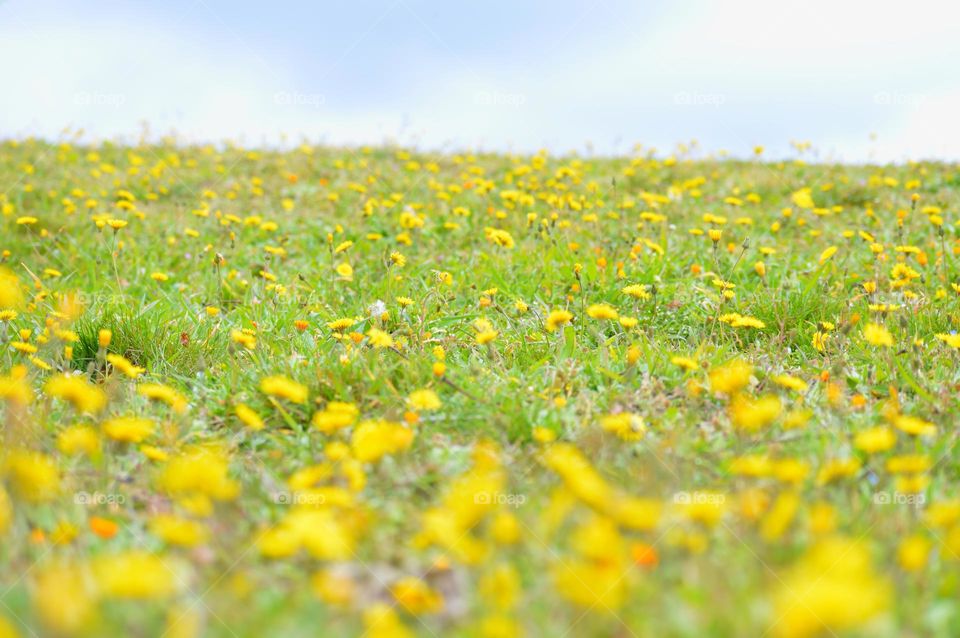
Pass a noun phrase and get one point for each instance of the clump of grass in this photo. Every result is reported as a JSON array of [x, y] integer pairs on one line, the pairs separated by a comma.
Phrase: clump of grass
[[150, 336]]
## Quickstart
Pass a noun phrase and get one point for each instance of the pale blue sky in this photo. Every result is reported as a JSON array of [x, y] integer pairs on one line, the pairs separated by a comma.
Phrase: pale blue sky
[[494, 75]]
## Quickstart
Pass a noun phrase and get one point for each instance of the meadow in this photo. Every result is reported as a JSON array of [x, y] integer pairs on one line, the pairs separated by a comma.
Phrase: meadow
[[380, 392]]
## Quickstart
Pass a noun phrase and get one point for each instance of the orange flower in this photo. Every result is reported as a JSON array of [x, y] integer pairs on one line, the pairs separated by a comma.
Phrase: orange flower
[[103, 527], [644, 555]]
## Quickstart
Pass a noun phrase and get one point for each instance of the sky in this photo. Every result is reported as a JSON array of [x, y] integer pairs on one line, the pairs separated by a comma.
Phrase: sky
[[862, 81]]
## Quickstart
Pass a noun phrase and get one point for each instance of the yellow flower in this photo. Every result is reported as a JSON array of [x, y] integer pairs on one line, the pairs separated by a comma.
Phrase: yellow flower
[[588, 486], [31, 475], [755, 465], [128, 429], [638, 291], [590, 584], [345, 271], [78, 439], [943, 514], [84, 396], [280, 386], [909, 463], [374, 439], [731, 377], [802, 198], [557, 318], [500, 587], [14, 388], [65, 597], [175, 530], [153, 453], [68, 336], [10, 293], [823, 518], [741, 321], [594, 575], [781, 514], [199, 471], [416, 597], [340, 324], [685, 362], [499, 237], [7, 629], [544, 435], [333, 588], [381, 621], [913, 552], [164, 394], [833, 588], [244, 338], [914, 426], [505, 528], [627, 426], [486, 336], [877, 335], [827, 254], [912, 483], [602, 311], [753, 414], [424, 400], [379, 338], [791, 383], [952, 340], [324, 534], [248, 417], [134, 574], [26, 348], [819, 341], [873, 440], [834, 469], [337, 415], [123, 365]]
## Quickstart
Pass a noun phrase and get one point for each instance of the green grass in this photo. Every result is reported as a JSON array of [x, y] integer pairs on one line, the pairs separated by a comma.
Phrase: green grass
[[149, 335], [213, 220]]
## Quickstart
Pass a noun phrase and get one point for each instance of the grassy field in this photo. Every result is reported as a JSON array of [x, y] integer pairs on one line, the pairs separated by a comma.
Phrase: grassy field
[[383, 393]]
